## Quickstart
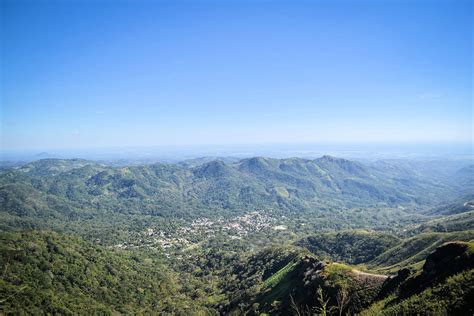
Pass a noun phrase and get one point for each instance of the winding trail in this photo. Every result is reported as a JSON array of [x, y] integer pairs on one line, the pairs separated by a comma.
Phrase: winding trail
[[370, 275]]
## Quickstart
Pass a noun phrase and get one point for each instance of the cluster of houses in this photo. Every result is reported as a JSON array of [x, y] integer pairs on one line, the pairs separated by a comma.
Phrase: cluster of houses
[[204, 228]]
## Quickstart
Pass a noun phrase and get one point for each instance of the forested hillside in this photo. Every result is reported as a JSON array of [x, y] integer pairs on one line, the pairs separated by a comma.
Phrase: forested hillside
[[45, 272], [254, 236], [48, 193]]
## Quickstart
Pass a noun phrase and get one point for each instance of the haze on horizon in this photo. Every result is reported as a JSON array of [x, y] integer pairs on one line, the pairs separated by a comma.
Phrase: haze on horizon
[[91, 74]]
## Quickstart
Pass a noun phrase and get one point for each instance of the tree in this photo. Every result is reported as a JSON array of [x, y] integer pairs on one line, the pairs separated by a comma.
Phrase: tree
[[342, 299], [294, 306], [323, 308]]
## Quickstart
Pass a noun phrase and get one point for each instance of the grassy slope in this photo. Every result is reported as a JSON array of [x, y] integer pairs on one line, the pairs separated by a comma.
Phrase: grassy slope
[[414, 250], [445, 286], [353, 247], [457, 222], [300, 278]]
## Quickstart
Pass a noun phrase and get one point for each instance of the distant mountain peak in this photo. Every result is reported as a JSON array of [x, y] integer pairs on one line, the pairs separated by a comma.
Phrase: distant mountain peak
[[255, 164], [331, 158], [353, 167], [43, 154], [212, 169]]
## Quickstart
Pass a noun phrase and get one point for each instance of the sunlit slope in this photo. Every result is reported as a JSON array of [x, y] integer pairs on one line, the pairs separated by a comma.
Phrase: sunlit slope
[[47, 272]]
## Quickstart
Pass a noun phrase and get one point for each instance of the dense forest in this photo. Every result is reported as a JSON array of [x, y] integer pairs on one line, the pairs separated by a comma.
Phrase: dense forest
[[255, 236]]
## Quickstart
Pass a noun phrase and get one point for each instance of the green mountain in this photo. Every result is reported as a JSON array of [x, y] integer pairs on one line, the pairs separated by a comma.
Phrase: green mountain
[[444, 286], [379, 251], [299, 283], [47, 193], [254, 236], [414, 250]]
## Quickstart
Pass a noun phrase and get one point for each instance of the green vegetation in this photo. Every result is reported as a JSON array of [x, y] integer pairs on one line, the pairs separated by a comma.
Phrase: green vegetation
[[255, 236], [444, 286], [415, 249], [353, 247], [458, 222], [449, 298], [277, 277], [49, 193], [44, 272]]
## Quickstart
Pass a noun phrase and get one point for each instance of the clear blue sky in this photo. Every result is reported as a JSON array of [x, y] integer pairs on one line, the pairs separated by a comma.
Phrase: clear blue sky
[[81, 74]]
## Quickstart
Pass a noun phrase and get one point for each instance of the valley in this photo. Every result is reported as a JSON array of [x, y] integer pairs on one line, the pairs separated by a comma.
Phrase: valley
[[253, 236]]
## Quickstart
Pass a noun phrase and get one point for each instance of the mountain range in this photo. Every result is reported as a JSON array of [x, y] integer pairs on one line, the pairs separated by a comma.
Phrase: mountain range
[[251, 236]]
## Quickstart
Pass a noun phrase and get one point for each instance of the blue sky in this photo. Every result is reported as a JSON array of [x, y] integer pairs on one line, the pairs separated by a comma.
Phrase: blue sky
[[84, 74]]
